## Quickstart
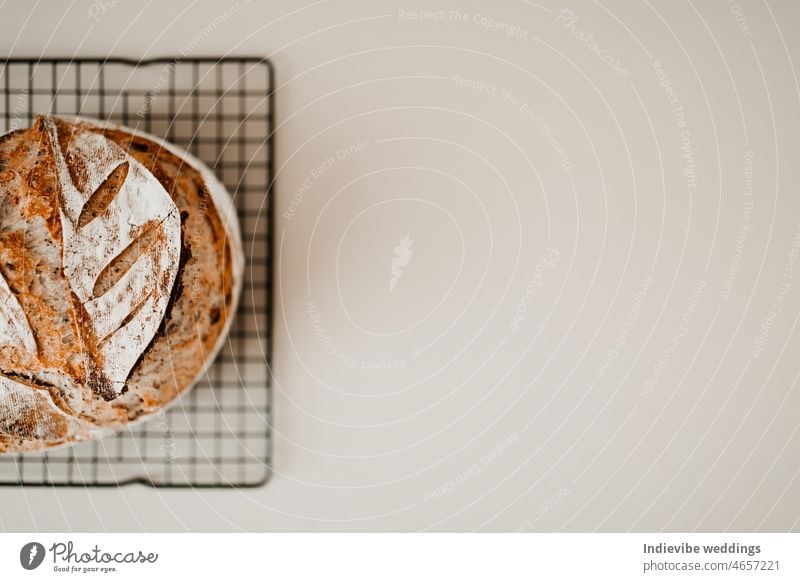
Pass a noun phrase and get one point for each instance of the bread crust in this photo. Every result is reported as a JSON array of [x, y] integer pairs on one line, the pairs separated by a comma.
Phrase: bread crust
[[56, 391]]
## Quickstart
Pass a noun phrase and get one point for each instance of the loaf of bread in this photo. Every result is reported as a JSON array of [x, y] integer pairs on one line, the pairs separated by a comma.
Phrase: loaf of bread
[[120, 268]]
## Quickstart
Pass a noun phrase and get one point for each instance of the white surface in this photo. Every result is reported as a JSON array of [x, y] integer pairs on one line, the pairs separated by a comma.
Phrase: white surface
[[690, 424]]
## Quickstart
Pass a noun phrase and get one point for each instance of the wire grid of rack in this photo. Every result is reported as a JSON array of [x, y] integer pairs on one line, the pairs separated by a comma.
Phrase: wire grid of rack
[[217, 434]]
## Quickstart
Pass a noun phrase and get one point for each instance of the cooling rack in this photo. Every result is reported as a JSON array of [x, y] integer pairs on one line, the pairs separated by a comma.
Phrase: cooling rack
[[217, 434]]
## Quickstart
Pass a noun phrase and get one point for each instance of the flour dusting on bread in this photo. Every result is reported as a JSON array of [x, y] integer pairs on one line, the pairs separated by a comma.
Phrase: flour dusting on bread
[[118, 279], [125, 317], [14, 328]]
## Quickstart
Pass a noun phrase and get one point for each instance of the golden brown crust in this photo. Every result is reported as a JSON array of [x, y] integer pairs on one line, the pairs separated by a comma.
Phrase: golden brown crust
[[204, 289], [30, 241]]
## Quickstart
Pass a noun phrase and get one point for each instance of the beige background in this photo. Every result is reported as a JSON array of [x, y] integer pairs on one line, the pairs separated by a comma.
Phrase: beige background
[[596, 328]]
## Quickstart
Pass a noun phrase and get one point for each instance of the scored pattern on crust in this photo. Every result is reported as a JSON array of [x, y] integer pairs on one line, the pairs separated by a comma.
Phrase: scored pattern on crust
[[121, 259], [14, 328], [27, 412], [78, 293]]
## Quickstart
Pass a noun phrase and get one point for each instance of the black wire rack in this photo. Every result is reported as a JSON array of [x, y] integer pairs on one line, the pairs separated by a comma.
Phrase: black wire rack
[[221, 110]]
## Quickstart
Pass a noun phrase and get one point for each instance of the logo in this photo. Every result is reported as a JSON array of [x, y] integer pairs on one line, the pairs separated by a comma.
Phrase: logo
[[402, 256], [31, 555]]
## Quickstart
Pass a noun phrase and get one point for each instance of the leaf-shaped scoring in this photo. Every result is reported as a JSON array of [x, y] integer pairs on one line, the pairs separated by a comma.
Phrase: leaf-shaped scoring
[[14, 327], [126, 315]]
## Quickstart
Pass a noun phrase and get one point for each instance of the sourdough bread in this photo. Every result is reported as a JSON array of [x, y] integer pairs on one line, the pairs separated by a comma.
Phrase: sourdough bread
[[120, 269]]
